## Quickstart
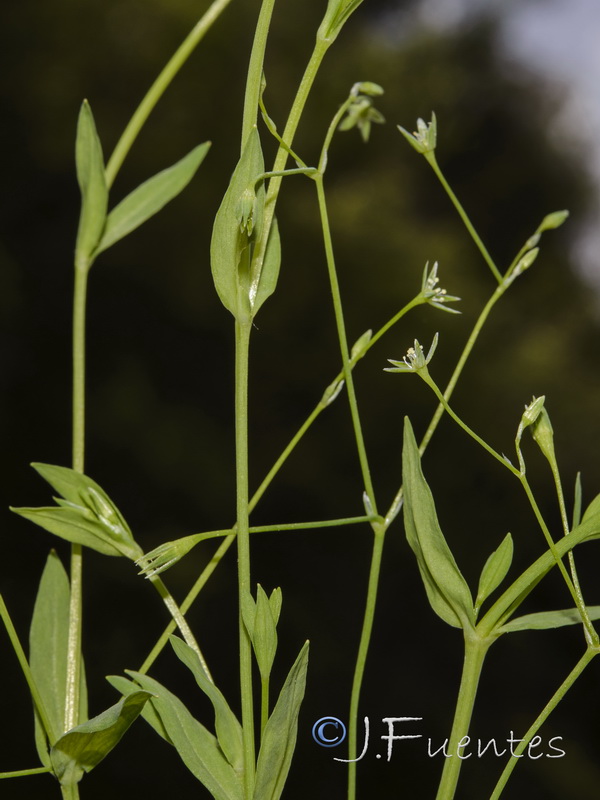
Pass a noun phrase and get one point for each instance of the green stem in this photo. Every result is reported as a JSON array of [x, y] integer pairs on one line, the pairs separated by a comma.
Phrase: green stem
[[264, 705], [73, 679], [26, 670], [255, 70], [242, 346], [306, 83], [181, 622], [70, 792], [345, 352], [475, 651], [363, 651], [22, 773], [589, 654], [187, 603], [431, 160], [159, 87], [588, 627]]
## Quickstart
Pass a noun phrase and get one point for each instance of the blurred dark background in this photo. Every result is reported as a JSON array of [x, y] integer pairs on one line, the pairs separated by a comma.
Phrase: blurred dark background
[[160, 347]]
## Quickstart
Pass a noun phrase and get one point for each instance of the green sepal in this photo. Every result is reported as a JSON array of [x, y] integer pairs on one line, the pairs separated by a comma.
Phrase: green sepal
[[237, 228], [198, 748], [92, 184], [446, 588], [85, 516], [227, 726], [126, 687], [280, 733], [494, 570], [82, 748], [48, 648], [152, 195], [548, 619]]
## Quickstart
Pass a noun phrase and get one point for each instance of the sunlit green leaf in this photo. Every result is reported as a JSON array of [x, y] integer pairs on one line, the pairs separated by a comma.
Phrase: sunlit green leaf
[[548, 619], [92, 183], [227, 726], [82, 748], [197, 747], [281, 730], [446, 588], [494, 570], [150, 197]]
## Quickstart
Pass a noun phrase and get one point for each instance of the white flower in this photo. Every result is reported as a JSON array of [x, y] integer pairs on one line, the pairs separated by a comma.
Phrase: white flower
[[415, 358]]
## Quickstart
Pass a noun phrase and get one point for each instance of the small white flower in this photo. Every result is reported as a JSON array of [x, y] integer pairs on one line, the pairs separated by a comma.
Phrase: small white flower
[[415, 358], [434, 294]]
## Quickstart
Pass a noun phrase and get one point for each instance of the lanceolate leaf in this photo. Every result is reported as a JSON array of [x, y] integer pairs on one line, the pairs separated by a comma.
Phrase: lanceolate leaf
[[548, 619], [150, 197], [85, 516], [197, 747], [446, 588], [48, 649], [92, 184], [82, 748], [127, 687], [281, 730], [227, 726], [494, 570]]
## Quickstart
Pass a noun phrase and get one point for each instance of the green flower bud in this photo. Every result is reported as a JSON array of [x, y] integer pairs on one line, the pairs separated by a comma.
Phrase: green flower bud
[[553, 220], [544, 435]]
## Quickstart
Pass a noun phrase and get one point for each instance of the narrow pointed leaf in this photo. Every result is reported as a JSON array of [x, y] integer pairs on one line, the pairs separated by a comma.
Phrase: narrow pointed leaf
[[276, 601], [198, 748], [48, 637], [227, 726], [82, 748], [446, 588], [73, 526], [494, 570], [548, 619], [127, 687], [92, 184], [150, 197], [86, 516], [281, 730]]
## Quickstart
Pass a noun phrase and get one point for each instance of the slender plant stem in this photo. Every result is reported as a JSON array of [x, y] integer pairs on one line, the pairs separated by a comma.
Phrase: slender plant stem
[[187, 603], [242, 346], [475, 651], [363, 651], [22, 773], [588, 627], [431, 160], [73, 684], [264, 704], [178, 617], [26, 670], [255, 70], [341, 331], [589, 654], [159, 87]]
